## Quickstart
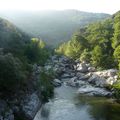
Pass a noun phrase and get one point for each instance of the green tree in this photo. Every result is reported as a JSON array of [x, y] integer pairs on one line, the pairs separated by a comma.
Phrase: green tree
[[116, 37], [45, 84], [61, 49], [97, 56], [117, 55], [12, 73], [85, 56], [74, 47], [36, 52]]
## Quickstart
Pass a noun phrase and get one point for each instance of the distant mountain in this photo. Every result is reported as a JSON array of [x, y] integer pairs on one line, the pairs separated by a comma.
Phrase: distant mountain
[[9, 34], [52, 26]]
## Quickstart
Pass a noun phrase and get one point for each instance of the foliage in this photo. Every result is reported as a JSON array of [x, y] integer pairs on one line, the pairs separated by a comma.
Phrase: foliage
[[116, 37], [85, 56], [97, 56], [54, 26], [97, 38], [117, 55], [45, 84], [117, 90], [17, 55], [61, 49], [74, 47], [12, 73], [36, 52]]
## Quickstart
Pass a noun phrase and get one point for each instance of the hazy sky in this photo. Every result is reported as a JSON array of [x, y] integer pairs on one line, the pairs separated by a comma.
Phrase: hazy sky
[[107, 6]]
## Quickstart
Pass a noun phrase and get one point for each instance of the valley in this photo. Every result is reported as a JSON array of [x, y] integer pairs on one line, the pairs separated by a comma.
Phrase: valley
[[59, 65]]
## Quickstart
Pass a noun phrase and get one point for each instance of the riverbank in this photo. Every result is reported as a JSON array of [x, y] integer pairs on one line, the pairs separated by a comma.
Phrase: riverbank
[[67, 104], [83, 76], [25, 103]]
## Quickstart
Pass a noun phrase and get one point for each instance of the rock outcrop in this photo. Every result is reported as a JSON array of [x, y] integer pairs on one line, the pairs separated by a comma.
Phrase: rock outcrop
[[94, 91], [25, 104], [30, 106]]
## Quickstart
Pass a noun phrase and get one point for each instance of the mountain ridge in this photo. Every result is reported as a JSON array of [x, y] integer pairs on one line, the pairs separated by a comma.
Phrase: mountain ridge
[[54, 27]]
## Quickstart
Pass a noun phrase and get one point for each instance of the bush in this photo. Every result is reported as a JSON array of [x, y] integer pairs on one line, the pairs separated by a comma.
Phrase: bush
[[36, 52], [12, 73], [97, 56], [117, 55], [85, 56], [45, 84], [117, 90]]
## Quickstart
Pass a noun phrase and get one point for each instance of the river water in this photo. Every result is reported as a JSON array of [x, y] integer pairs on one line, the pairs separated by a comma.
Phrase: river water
[[68, 105]]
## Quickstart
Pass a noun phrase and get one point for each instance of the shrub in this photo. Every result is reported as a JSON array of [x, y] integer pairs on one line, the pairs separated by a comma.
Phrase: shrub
[[117, 90], [45, 84], [85, 56], [12, 73], [36, 52], [117, 55]]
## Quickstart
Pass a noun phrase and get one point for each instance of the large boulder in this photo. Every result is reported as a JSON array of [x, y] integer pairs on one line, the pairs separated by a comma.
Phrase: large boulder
[[91, 69], [103, 78], [79, 74], [30, 106], [111, 80], [107, 73], [82, 67], [97, 80], [56, 82], [85, 77], [94, 91], [74, 82], [65, 75]]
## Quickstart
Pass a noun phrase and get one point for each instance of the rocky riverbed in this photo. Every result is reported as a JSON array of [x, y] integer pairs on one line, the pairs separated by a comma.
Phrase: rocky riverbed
[[83, 76], [81, 92]]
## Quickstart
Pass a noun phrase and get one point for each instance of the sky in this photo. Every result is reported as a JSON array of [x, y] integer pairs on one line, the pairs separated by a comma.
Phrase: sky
[[100, 6]]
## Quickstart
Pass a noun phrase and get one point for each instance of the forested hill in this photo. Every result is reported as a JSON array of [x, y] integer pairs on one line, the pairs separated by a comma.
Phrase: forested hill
[[97, 43], [52, 26], [10, 34], [20, 56]]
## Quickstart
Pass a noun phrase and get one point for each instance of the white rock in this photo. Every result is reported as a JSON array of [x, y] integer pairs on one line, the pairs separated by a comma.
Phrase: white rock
[[82, 67], [111, 80], [93, 91], [91, 69]]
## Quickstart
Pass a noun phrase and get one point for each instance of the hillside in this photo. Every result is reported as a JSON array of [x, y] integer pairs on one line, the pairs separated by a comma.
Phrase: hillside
[[97, 43], [53, 26], [9, 34], [20, 56]]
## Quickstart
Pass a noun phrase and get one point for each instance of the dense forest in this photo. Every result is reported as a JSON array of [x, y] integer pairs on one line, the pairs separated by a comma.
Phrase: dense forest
[[97, 43], [52, 26]]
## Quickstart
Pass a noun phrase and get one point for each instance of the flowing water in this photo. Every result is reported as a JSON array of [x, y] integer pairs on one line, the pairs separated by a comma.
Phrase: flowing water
[[68, 105]]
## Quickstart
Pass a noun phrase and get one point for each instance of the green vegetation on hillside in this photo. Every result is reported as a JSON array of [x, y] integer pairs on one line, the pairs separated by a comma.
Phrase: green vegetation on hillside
[[18, 54], [93, 41], [98, 44], [55, 27]]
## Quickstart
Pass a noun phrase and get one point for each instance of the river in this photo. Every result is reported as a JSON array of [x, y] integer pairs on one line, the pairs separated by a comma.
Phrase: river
[[68, 105]]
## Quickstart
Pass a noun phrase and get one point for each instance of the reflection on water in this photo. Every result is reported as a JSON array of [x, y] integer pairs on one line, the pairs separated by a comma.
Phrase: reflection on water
[[67, 105]]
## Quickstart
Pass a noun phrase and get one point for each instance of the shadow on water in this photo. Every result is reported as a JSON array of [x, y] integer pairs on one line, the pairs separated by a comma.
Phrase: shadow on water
[[100, 108], [68, 105]]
